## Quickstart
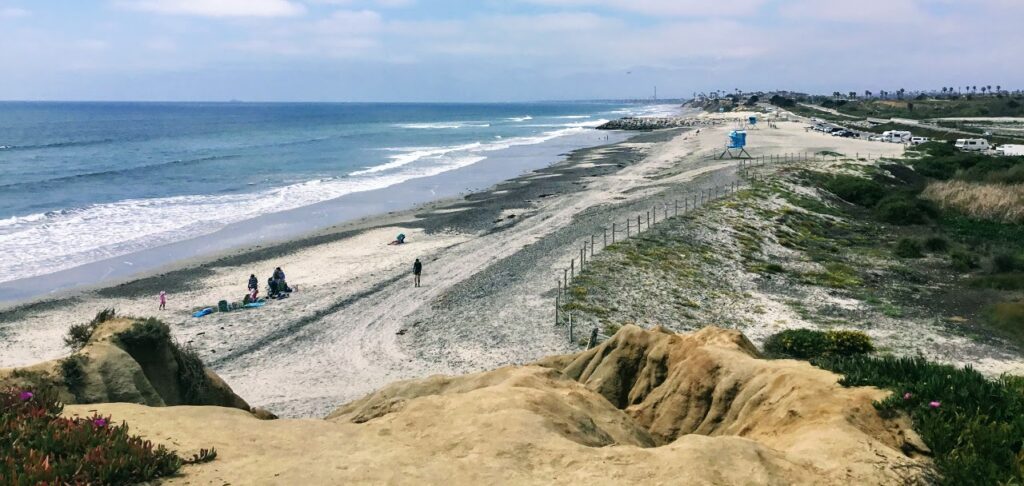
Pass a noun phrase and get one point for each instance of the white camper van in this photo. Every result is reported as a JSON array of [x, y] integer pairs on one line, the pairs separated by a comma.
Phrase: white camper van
[[1009, 149], [972, 144], [918, 140], [896, 136]]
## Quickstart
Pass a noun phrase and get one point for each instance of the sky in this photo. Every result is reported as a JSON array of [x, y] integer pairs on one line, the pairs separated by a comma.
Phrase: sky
[[497, 50]]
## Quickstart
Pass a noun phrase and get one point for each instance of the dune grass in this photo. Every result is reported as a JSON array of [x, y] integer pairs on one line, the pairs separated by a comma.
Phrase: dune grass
[[996, 202]]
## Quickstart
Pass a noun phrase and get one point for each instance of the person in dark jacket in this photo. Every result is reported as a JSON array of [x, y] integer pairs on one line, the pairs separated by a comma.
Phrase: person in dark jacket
[[417, 269]]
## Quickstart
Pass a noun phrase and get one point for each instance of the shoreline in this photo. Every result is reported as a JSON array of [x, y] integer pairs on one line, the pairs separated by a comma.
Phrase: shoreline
[[490, 262], [350, 213]]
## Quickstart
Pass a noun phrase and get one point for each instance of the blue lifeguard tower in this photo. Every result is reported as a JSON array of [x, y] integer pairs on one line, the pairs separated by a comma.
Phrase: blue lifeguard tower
[[752, 122], [736, 147]]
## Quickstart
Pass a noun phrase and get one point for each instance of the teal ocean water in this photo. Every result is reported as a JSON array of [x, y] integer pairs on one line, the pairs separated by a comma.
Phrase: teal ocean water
[[83, 182]]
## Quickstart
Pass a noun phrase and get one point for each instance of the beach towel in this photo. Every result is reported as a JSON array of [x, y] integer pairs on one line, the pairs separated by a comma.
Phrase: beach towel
[[204, 312], [253, 305]]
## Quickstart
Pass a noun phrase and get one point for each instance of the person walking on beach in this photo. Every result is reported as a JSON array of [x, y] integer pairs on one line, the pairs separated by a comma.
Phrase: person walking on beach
[[417, 269], [163, 300]]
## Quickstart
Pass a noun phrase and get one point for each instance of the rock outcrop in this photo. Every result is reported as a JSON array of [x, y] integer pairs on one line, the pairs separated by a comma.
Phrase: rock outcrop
[[150, 371], [658, 123], [645, 406]]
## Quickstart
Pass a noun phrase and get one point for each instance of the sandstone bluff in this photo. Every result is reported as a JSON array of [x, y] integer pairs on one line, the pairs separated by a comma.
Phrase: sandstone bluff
[[645, 406]]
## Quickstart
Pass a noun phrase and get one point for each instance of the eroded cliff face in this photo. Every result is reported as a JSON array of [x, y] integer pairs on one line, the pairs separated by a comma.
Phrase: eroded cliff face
[[645, 406], [109, 369]]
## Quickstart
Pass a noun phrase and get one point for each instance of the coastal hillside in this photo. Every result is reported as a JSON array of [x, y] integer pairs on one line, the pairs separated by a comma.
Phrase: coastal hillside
[[646, 406]]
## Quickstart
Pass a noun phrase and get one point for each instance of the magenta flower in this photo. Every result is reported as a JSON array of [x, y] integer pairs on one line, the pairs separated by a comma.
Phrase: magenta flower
[[99, 422], [935, 404], [907, 396], [25, 396]]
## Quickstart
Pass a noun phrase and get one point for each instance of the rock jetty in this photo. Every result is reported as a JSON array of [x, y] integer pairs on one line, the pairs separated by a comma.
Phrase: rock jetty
[[657, 123]]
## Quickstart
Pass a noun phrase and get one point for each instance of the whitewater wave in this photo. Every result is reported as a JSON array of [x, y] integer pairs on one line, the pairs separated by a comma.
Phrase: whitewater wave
[[572, 117], [42, 243], [442, 125], [521, 118]]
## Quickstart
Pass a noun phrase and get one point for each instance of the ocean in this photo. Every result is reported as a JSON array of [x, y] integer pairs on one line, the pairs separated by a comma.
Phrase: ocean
[[84, 182]]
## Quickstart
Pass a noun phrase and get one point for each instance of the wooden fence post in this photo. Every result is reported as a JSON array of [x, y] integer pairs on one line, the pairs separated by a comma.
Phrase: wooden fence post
[[565, 278], [572, 269], [593, 339], [675, 210], [591, 246], [613, 233], [638, 222], [583, 256], [570, 326], [558, 301], [627, 227], [605, 238]]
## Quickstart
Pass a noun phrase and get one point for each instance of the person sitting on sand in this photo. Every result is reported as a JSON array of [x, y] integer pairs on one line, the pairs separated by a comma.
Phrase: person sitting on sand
[[399, 240]]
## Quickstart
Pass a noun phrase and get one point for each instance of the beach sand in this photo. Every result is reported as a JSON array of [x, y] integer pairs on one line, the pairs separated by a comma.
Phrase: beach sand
[[491, 261]]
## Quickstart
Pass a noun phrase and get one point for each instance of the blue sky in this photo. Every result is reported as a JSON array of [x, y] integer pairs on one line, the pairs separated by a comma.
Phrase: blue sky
[[491, 50]]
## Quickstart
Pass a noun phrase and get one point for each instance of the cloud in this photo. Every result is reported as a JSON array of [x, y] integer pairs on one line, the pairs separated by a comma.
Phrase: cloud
[[218, 8], [675, 8], [13, 13]]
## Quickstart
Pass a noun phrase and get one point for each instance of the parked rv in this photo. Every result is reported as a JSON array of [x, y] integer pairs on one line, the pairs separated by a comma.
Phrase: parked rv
[[1010, 150], [972, 144], [896, 136]]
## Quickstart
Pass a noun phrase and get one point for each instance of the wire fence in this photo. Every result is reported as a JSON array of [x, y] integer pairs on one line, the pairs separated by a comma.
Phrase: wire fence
[[752, 169]]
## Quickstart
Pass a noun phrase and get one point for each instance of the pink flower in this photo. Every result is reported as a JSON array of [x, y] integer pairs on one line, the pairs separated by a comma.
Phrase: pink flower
[[935, 404], [99, 422], [25, 396], [907, 396]]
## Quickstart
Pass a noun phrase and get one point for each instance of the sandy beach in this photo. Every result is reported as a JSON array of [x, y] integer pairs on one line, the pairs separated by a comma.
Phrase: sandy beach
[[357, 323]]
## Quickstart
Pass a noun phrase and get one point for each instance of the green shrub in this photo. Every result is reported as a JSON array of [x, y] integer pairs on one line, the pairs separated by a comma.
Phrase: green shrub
[[79, 334], [39, 446], [936, 244], [974, 431], [1007, 318], [810, 344], [145, 334], [857, 190], [904, 209], [72, 370], [1002, 281], [964, 261], [908, 248], [192, 378], [1004, 263], [937, 148]]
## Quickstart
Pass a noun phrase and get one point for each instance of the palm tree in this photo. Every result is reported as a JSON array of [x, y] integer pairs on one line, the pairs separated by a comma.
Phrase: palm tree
[[943, 91], [999, 89], [867, 94], [983, 89]]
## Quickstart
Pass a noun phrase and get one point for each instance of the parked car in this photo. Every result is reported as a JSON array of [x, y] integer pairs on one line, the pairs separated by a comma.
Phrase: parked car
[[918, 140], [972, 144]]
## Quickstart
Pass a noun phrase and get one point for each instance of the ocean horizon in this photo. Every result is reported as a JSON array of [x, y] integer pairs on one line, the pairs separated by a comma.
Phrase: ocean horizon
[[85, 182]]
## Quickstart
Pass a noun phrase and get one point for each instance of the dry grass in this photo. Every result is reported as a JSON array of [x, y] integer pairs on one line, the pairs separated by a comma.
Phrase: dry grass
[[999, 202]]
